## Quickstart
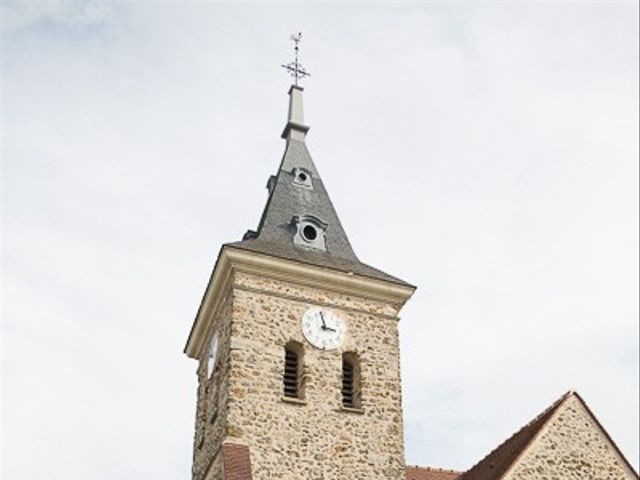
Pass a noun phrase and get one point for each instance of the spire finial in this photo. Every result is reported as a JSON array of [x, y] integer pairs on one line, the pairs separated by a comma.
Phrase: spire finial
[[295, 68]]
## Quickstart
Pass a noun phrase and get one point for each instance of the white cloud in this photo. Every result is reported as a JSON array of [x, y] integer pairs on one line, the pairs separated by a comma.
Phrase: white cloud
[[21, 15], [497, 144]]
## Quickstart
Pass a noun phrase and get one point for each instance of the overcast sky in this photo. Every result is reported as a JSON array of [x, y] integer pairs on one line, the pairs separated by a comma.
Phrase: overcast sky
[[486, 152]]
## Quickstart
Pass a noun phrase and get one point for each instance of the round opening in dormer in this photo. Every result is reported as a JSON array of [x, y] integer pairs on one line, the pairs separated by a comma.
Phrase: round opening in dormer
[[309, 230], [301, 178], [309, 233]]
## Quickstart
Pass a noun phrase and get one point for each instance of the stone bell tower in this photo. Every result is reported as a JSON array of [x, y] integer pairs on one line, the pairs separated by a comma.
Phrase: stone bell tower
[[297, 344]]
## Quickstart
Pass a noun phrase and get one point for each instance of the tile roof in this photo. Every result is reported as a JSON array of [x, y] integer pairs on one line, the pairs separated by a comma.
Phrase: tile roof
[[413, 472], [496, 464], [236, 462]]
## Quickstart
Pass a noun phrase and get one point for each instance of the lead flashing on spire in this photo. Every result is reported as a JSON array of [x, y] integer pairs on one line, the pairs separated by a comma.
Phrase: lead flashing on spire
[[295, 129]]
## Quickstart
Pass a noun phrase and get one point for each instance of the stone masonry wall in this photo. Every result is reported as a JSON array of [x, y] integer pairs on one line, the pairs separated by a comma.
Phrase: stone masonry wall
[[211, 407], [315, 439], [571, 447]]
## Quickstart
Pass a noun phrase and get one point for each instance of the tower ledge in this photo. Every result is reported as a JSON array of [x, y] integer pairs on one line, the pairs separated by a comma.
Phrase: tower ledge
[[233, 259]]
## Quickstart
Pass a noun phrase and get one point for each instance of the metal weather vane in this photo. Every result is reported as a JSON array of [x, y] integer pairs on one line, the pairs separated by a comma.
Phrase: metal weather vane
[[295, 68]]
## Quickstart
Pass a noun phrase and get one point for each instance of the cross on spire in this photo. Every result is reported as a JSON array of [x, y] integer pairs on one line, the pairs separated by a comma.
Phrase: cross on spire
[[295, 68]]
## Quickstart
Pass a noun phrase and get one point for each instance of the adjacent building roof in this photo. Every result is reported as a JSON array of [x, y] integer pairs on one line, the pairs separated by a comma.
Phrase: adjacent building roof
[[429, 473], [236, 462], [503, 458], [495, 465]]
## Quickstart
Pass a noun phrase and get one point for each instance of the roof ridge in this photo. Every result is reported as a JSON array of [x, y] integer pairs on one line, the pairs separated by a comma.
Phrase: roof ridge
[[553, 406], [416, 472], [536, 424], [435, 469]]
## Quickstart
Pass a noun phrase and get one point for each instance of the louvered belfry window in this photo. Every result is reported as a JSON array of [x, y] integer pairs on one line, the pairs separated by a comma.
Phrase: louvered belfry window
[[291, 376], [348, 384]]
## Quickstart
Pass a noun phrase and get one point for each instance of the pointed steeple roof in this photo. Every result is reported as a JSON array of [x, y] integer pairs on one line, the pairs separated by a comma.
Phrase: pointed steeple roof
[[299, 221]]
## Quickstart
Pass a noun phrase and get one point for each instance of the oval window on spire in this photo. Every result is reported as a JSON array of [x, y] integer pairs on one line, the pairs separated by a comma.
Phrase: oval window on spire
[[309, 232], [302, 178]]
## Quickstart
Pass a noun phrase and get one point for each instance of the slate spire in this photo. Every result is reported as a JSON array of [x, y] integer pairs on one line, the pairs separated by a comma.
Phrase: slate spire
[[299, 221]]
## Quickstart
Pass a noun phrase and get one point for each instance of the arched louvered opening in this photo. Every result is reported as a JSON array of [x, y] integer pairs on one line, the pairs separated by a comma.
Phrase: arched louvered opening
[[347, 383], [292, 377], [290, 373], [351, 381]]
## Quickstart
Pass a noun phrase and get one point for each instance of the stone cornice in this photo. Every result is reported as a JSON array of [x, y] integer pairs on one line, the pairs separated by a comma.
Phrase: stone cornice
[[233, 259], [303, 300]]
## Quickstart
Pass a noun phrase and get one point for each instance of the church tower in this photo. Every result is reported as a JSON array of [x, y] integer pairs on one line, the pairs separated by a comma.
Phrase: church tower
[[297, 344]]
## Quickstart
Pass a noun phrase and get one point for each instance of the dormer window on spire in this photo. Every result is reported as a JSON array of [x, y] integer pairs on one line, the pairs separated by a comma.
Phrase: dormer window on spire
[[309, 232], [302, 178]]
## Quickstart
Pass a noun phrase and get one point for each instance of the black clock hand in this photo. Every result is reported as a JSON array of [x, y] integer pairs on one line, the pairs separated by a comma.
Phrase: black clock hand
[[324, 325]]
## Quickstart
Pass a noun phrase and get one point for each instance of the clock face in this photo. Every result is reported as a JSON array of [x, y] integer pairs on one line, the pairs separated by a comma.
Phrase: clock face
[[323, 328], [213, 354]]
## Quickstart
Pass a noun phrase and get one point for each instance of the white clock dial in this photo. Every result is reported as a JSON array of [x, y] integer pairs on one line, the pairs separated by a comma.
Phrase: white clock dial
[[323, 328], [213, 354]]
